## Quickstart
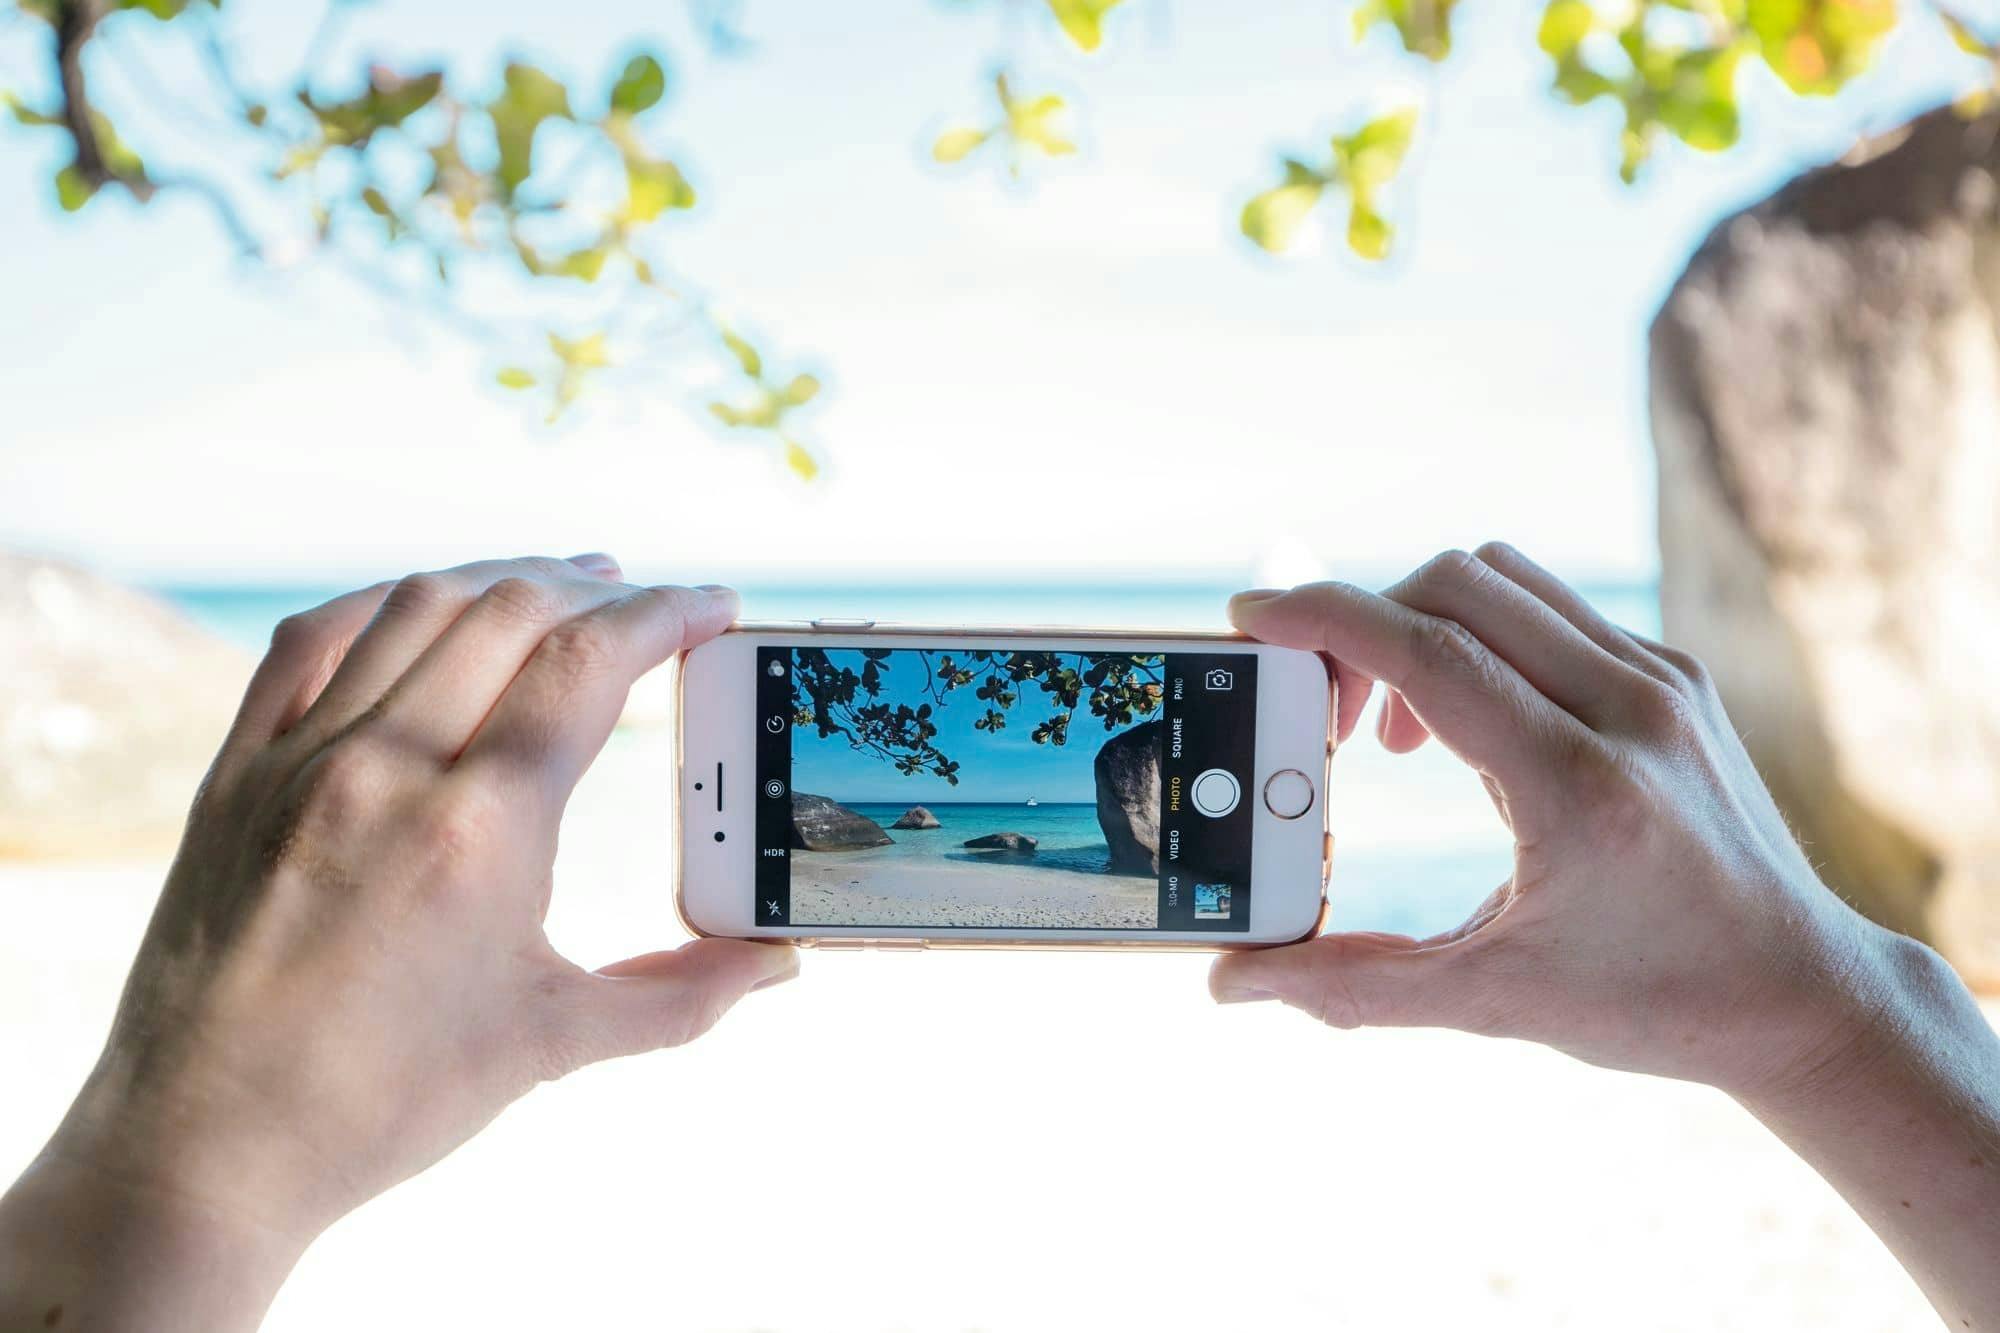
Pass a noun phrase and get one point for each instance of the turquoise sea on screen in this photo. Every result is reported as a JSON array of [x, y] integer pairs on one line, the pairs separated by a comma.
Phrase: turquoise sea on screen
[[1417, 846], [1067, 835]]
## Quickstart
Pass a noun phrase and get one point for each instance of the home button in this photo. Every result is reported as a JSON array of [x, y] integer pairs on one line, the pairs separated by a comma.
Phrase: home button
[[1288, 793]]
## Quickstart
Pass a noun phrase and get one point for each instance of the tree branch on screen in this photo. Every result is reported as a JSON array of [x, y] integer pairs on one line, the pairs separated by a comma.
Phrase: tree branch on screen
[[844, 698]]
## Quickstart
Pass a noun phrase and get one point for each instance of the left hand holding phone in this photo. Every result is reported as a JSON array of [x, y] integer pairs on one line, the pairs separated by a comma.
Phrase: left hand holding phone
[[346, 975]]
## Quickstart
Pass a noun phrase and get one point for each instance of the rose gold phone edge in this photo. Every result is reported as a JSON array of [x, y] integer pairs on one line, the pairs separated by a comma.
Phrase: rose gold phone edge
[[889, 629]]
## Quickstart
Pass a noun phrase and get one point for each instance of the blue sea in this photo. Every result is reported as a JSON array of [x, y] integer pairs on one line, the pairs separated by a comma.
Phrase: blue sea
[[1417, 845], [1067, 835]]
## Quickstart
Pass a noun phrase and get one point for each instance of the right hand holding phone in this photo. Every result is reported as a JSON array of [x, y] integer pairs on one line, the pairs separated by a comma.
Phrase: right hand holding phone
[[1660, 917]]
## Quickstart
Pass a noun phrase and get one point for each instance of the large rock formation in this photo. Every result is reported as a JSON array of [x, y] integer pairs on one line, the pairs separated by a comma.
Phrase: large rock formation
[[1826, 408], [1128, 798], [916, 817], [111, 706], [822, 825], [1002, 842]]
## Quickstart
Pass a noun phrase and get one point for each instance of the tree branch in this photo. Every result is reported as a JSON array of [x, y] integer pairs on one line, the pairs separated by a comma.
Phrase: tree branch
[[75, 23]]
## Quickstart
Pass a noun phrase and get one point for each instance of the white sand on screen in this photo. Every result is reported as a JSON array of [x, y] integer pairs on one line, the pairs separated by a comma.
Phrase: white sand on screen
[[849, 889]]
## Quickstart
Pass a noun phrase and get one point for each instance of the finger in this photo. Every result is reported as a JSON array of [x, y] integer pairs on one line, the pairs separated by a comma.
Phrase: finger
[[1465, 695], [305, 651], [666, 999], [1351, 686], [1566, 602], [456, 682], [1397, 728], [1365, 979], [414, 613], [560, 709], [1551, 653]]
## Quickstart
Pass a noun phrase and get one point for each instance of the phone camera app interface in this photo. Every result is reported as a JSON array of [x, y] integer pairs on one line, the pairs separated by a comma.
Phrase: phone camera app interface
[[1023, 789]]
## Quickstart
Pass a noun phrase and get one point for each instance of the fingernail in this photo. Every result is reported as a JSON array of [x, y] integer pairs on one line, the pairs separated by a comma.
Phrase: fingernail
[[716, 589], [1243, 994], [1255, 595], [597, 562]]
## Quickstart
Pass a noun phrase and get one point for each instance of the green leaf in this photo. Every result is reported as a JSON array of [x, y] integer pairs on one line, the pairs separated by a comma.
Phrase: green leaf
[[1699, 106], [1817, 46], [1372, 154], [1963, 37], [513, 377], [1083, 20], [954, 145], [1272, 219], [1035, 122], [652, 186], [746, 355], [530, 97], [1565, 23], [640, 86], [1368, 232], [802, 390], [73, 191], [799, 461], [585, 264], [1423, 25], [26, 114], [389, 100], [585, 353]]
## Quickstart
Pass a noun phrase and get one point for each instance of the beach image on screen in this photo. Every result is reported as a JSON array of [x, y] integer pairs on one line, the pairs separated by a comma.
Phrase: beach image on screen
[[974, 788]]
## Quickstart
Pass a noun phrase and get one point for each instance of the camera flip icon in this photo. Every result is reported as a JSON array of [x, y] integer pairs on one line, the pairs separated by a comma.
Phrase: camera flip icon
[[1219, 678]]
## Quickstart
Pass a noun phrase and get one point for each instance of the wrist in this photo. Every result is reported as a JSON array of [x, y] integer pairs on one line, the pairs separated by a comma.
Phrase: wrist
[[1858, 1018], [86, 1241], [214, 1153]]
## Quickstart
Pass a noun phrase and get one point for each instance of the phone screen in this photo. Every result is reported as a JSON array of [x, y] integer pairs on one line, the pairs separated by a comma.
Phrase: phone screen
[[955, 787]]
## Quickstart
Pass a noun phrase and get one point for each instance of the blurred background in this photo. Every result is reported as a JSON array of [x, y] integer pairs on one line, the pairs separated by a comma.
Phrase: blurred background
[[1002, 310]]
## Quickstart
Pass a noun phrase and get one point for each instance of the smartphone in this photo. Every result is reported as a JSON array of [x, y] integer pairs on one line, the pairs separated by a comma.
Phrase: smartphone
[[844, 784]]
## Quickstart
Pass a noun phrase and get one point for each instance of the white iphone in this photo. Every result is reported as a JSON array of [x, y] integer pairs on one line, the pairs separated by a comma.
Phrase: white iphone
[[848, 784]]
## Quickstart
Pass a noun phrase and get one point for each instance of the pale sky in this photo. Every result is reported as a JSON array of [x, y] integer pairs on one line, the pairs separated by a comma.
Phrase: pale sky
[[1091, 375]]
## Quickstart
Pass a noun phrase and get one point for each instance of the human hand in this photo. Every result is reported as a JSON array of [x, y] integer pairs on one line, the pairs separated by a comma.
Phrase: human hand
[[1660, 916], [347, 975]]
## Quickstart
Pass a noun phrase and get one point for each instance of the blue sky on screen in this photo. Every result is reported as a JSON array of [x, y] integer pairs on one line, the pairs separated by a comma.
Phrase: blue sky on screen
[[1089, 374], [1005, 766]]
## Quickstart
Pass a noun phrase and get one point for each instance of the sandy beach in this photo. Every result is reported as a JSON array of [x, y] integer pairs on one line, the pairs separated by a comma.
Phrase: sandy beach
[[1020, 1141], [827, 891]]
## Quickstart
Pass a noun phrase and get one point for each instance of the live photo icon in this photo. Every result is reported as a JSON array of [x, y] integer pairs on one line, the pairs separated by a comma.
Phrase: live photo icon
[[1219, 679]]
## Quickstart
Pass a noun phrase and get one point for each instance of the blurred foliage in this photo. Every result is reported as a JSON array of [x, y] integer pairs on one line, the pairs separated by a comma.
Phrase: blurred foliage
[[1423, 25], [1026, 126], [1979, 100], [838, 692], [1362, 164], [430, 186], [551, 185]]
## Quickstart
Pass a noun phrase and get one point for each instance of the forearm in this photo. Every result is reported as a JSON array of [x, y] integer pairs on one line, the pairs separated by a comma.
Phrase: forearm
[[1905, 1123], [82, 1248]]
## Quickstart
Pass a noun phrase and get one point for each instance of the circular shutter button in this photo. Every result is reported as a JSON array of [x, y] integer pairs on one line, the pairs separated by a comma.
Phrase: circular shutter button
[[1215, 792], [1288, 793]]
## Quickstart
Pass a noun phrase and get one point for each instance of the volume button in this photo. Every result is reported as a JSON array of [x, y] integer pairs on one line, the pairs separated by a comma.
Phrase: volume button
[[839, 622]]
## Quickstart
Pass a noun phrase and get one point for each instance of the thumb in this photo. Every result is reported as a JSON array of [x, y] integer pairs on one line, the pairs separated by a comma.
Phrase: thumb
[[665, 999], [1360, 979]]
